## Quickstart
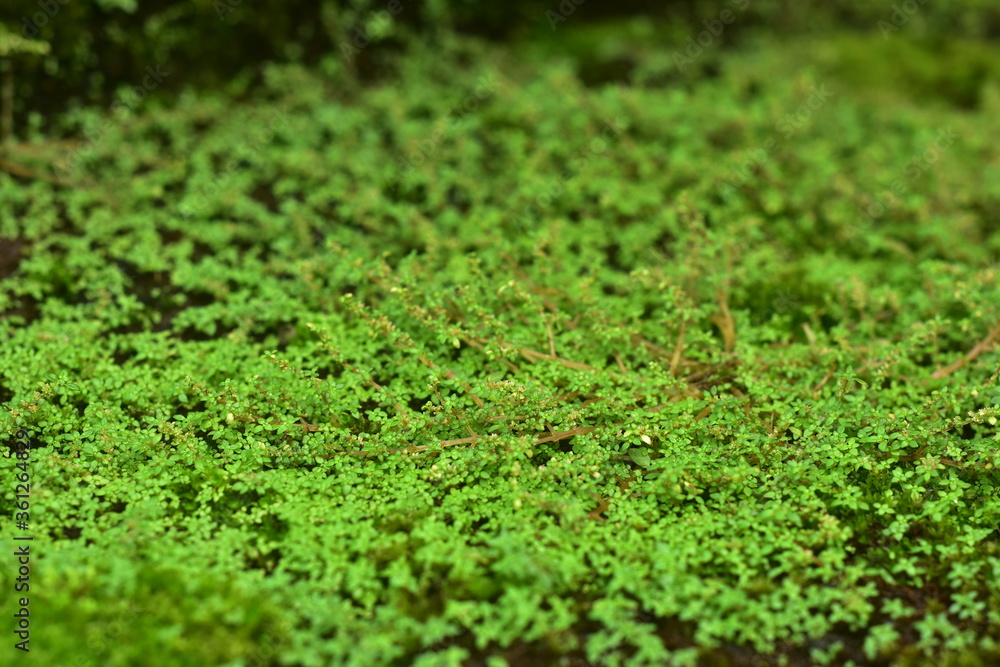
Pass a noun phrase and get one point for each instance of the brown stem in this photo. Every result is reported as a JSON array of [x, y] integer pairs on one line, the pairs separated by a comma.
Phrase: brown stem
[[6, 100], [981, 346]]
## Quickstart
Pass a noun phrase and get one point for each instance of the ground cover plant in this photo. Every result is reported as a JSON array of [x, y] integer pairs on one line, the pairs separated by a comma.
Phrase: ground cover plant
[[532, 355], [94, 47]]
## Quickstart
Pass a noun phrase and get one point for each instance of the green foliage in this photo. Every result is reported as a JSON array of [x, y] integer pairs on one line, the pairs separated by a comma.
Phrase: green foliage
[[101, 47], [623, 373], [12, 44]]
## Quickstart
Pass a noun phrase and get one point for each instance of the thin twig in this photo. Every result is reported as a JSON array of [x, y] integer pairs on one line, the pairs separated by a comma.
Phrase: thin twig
[[678, 349], [981, 346]]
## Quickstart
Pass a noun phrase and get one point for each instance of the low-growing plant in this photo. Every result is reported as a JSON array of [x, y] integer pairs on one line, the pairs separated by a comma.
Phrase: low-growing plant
[[334, 414]]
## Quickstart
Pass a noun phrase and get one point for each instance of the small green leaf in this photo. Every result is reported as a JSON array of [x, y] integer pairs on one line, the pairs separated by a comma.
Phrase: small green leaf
[[639, 456]]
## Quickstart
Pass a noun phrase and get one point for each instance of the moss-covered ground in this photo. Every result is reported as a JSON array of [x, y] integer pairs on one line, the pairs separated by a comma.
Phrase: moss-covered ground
[[558, 355]]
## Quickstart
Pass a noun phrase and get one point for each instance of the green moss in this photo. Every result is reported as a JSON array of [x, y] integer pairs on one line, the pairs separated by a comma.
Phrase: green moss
[[627, 374]]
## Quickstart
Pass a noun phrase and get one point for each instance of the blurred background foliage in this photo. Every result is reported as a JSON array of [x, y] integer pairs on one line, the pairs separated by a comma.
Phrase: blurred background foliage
[[97, 47]]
